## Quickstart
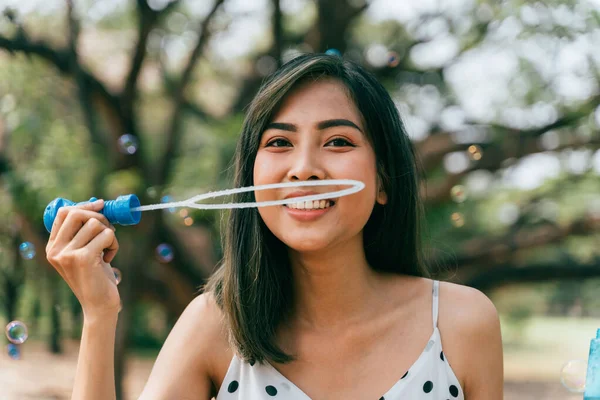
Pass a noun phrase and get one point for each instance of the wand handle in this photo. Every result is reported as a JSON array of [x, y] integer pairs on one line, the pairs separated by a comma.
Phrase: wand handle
[[116, 211]]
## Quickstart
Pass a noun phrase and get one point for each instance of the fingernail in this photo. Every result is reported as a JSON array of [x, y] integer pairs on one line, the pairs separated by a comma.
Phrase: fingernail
[[97, 201]]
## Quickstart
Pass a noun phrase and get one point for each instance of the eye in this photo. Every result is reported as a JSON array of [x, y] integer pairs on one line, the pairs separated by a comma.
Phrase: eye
[[280, 143], [340, 142]]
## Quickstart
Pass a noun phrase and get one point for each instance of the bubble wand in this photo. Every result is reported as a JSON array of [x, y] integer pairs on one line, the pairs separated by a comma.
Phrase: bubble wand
[[126, 210]]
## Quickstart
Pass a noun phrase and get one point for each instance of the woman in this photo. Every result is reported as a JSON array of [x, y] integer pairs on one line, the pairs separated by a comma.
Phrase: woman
[[323, 300]]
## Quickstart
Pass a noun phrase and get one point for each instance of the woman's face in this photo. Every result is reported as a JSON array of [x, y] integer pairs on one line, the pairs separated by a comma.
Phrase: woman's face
[[298, 145]]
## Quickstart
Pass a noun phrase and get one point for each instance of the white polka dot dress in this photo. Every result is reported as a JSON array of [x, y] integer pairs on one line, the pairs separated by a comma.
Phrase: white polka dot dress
[[429, 378]]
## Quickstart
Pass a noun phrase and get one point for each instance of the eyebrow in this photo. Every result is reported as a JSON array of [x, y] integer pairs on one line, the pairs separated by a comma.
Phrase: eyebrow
[[330, 123]]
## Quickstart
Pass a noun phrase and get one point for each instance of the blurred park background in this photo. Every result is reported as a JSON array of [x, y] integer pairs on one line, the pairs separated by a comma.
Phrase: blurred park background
[[109, 97]]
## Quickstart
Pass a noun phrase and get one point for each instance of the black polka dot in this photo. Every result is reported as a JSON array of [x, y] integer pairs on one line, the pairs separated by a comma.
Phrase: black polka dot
[[252, 363], [428, 387], [442, 355], [382, 398], [404, 376], [233, 386], [453, 391], [271, 391]]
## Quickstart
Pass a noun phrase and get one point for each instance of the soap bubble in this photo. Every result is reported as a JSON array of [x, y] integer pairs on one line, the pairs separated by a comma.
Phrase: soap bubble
[[27, 250], [128, 144], [572, 375], [13, 351], [393, 59], [334, 52], [458, 219], [16, 332], [117, 275], [164, 252], [151, 192], [168, 199], [458, 193]]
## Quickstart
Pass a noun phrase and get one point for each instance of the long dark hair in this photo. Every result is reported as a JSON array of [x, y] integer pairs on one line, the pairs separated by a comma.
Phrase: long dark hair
[[253, 283]]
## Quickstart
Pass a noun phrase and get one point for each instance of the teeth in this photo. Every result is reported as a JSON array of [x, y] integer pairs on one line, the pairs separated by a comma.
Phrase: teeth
[[310, 205]]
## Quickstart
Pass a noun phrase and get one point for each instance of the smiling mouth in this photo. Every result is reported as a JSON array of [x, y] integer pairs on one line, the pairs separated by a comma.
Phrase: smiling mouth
[[311, 205]]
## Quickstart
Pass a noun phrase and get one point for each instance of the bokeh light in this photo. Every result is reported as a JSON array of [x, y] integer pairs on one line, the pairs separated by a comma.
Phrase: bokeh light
[[458, 219], [13, 351], [458, 193], [475, 152], [128, 144]]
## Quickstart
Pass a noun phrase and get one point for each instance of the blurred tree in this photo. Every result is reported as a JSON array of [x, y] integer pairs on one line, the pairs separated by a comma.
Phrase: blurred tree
[[155, 70]]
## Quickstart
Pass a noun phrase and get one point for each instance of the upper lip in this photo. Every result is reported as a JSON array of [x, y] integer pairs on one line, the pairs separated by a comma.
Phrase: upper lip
[[301, 193]]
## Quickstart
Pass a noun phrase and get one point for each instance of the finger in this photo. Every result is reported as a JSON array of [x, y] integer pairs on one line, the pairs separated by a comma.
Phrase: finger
[[75, 221], [91, 228], [63, 212], [105, 241]]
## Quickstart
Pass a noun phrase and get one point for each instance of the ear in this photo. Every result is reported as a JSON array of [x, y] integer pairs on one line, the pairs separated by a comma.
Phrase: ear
[[381, 194]]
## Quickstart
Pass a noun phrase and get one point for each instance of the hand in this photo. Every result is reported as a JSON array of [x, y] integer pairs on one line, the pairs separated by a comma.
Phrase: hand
[[82, 244]]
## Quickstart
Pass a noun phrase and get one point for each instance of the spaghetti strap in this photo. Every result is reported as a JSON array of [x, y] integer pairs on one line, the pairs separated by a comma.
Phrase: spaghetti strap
[[436, 296]]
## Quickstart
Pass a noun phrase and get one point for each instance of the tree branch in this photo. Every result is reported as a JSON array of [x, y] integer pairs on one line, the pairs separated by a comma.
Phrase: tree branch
[[484, 250], [542, 272], [492, 160], [175, 127], [277, 31], [147, 20]]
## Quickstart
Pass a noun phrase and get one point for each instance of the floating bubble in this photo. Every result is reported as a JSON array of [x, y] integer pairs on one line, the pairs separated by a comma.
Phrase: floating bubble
[[152, 192], [13, 351], [183, 213], [266, 65], [27, 250], [458, 193], [333, 52], [16, 332], [393, 59], [164, 252], [475, 152], [118, 275], [128, 144], [572, 375], [188, 221], [458, 219], [168, 199]]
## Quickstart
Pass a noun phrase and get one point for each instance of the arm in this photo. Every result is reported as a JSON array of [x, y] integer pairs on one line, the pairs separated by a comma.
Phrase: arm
[[485, 373], [95, 376]]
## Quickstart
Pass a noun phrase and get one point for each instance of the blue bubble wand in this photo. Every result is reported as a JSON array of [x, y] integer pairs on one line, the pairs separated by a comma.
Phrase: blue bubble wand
[[127, 210]]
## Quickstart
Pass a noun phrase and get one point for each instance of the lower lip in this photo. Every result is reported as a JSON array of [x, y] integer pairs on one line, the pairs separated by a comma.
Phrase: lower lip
[[306, 215]]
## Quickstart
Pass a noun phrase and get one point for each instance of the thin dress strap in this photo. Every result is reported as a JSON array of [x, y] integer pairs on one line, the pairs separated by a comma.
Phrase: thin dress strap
[[436, 296]]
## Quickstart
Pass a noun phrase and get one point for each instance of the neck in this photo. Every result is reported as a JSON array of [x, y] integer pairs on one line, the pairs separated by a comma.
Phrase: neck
[[334, 287]]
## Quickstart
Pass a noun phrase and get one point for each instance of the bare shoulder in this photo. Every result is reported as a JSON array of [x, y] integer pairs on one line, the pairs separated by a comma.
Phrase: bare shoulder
[[472, 341], [189, 359], [470, 306]]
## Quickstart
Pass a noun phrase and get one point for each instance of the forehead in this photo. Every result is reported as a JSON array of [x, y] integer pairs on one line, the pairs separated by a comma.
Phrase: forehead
[[318, 100]]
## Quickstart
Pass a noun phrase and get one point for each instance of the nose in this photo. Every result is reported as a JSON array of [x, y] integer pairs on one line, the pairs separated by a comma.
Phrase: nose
[[305, 165]]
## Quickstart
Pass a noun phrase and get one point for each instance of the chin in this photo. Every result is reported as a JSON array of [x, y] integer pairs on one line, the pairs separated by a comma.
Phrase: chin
[[306, 244]]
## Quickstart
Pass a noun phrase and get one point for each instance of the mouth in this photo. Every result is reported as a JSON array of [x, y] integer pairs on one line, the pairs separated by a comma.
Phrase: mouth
[[311, 205]]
